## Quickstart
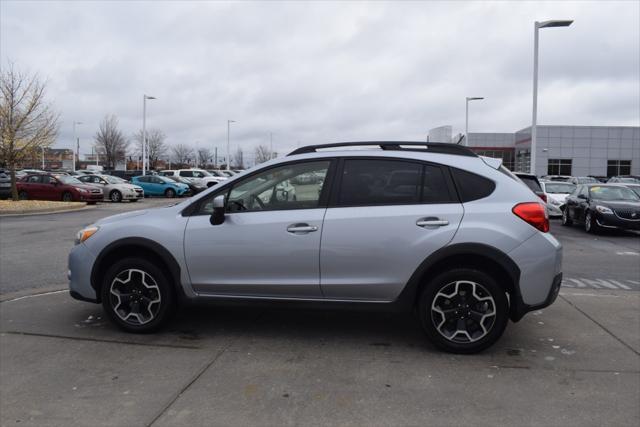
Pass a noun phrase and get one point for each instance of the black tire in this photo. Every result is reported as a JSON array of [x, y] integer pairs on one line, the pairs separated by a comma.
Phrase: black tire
[[590, 225], [22, 195], [115, 196], [67, 197], [566, 220], [170, 193], [157, 313], [462, 310], [210, 184], [133, 200]]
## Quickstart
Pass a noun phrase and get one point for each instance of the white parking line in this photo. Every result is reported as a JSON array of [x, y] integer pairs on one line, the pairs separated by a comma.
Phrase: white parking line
[[582, 282]]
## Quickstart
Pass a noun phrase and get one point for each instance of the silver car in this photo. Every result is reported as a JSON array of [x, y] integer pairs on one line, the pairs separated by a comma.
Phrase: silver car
[[432, 228], [114, 188]]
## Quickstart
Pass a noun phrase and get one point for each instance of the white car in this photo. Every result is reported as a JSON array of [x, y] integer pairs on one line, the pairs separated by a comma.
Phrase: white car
[[557, 192], [114, 188], [197, 176]]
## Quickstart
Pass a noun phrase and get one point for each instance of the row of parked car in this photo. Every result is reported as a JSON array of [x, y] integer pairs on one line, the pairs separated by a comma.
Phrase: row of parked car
[[94, 186], [589, 202]]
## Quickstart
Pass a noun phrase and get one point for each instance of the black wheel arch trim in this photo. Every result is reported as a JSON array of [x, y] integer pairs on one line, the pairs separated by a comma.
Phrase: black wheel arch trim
[[169, 261], [517, 307]]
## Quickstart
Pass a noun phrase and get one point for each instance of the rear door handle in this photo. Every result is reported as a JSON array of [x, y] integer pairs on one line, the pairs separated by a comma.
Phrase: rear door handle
[[301, 228], [432, 222]]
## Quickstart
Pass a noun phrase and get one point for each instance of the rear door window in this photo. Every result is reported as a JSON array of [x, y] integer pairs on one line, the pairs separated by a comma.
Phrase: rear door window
[[368, 182], [187, 174]]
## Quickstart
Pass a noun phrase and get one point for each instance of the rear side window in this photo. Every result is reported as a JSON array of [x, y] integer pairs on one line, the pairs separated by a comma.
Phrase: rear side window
[[187, 174], [532, 183], [472, 186]]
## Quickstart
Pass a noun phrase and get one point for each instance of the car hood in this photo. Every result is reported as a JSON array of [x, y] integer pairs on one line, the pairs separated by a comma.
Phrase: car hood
[[558, 197], [120, 217], [617, 204]]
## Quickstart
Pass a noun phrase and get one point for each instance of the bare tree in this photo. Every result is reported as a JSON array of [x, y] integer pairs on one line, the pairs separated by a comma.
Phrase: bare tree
[[110, 141], [155, 143], [204, 157], [27, 123], [262, 154], [238, 159], [182, 153]]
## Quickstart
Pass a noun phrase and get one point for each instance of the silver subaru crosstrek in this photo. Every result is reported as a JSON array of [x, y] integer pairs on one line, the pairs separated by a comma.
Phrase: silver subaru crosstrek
[[427, 227]]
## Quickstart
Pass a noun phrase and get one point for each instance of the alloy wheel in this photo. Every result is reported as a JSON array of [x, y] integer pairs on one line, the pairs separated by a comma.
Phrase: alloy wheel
[[463, 311], [587, 222], [116, 196], [135, 297]]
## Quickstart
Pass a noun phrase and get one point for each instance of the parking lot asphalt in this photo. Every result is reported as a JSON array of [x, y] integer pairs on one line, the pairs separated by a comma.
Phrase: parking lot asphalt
[[574, 363]]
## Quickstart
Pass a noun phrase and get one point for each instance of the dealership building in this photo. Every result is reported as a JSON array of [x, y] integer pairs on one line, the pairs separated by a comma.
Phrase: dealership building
[[566, 150]]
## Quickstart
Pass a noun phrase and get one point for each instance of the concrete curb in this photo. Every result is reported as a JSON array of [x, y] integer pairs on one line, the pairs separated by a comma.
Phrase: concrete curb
[[48, 211]]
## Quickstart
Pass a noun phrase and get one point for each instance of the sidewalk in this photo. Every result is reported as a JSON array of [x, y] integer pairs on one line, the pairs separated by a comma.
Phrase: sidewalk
[[61, 363]]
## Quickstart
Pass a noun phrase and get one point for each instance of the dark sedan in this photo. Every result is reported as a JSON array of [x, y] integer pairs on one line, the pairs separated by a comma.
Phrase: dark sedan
[[57, 187], [194, 187], [600, 206]]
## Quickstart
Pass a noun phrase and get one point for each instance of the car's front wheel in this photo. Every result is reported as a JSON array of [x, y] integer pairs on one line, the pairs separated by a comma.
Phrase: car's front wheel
[[463, 311], [115, 196], [23, 195], [67, 197], [137, 295], [590, 225], [170, 193], [566, 220]]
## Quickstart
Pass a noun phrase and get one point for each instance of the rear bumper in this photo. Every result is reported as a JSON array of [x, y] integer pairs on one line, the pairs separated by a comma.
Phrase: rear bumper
[[540, 262], [520, 308]]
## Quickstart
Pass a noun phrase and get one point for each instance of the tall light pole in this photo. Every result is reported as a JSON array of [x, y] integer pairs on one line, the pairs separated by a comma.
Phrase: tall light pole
[[534, 132], [228, 143], [466, 121], [77, 141], [42, 158], [145, 161]]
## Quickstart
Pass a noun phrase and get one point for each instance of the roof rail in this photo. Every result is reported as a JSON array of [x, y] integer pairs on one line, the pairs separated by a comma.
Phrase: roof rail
[[430, 147]]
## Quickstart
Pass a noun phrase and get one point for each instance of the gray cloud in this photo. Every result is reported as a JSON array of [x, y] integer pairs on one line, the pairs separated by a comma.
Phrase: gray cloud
[[325, 71]]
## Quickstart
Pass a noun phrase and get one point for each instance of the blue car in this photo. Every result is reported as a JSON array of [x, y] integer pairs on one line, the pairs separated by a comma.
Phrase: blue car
[[156, 185]]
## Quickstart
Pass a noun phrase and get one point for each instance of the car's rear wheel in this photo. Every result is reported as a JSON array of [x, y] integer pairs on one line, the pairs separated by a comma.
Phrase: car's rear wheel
[[566, 220], [137, 296], [170, 193], [22, 195], [115, 196], [67, 197], [463, 311]]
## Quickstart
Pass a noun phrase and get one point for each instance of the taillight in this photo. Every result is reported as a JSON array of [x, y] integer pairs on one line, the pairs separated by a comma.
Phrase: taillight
[[533, 213], [542, 196]]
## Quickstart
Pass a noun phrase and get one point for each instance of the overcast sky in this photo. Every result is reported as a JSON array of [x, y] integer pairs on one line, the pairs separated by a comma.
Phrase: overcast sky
[[324, 71]]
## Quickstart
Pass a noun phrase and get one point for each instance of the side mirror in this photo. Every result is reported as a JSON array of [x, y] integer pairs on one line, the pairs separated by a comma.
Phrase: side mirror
[[217, 217], [582, 196]]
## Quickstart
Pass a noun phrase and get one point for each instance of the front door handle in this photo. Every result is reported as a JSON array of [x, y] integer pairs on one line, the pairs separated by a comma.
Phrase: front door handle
[[432, 222], [301, 228]]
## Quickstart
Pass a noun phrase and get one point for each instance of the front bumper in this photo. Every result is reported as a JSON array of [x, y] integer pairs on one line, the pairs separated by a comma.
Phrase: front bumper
[[81, 262], [554, 210], [133, 196], [614, 221]]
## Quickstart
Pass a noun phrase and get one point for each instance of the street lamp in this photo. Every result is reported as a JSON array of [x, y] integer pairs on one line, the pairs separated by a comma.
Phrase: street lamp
[[228, 143], [145, 161], [536, 26], [77, 150], [466, 121]]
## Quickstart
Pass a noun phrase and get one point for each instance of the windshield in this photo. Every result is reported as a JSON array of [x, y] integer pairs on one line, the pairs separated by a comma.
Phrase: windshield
[[629, 180], [559, 188], [586, 180], [113, 179], [66, 179], [613, 193], [636, 190]]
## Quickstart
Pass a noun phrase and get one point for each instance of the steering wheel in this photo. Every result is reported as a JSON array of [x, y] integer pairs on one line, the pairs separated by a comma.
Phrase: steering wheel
[[257, 199], [239, 204]]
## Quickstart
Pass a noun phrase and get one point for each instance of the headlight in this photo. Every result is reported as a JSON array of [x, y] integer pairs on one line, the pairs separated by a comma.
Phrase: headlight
[[82, 190], [603, 209], [555, 202], [85, 233]]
